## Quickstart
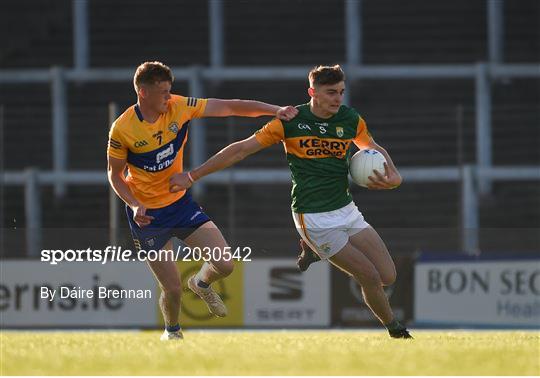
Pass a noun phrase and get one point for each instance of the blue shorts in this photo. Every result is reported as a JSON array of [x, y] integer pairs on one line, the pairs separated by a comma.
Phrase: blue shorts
[[178, 219]]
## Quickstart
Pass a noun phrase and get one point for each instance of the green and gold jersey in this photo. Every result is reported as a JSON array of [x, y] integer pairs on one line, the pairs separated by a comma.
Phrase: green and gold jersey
[[318, 153]]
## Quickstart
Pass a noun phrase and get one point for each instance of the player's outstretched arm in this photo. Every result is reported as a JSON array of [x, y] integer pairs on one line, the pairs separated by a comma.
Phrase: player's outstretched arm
[[228, 156], [247, 108], [115, 173]]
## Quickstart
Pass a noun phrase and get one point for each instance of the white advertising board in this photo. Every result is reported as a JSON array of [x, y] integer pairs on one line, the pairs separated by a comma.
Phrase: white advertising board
[[82, 294], [277, 294], [478, 293]]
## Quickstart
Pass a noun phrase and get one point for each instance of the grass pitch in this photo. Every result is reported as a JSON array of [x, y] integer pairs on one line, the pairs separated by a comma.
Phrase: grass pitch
[[270, 353]]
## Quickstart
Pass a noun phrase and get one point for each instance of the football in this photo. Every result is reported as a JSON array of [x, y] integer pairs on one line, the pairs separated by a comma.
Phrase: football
[[363, 163]]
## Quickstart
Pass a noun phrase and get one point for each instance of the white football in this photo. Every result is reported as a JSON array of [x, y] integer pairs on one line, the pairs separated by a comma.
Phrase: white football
[[362, 165]]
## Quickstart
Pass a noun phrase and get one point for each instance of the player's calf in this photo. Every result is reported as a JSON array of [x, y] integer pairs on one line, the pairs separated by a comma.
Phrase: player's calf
[[223, 267]]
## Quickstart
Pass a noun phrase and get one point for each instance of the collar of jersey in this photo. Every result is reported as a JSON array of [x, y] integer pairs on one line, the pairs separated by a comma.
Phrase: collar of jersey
[[138, 112], [140, 115], [306, 110]]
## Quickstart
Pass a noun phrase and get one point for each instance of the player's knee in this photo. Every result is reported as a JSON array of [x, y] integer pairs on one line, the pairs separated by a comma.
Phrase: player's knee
[[368, 277], [389, 277]]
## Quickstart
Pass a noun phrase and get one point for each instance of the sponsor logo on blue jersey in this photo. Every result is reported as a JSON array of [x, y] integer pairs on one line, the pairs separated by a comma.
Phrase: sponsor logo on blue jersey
[[160, 158]]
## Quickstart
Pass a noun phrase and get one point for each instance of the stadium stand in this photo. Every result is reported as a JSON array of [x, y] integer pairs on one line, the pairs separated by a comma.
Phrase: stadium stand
[[39, 34], [414, 119]]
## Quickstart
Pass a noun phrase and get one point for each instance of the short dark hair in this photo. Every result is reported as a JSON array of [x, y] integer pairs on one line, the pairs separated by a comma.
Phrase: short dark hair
[[326, 75], [150, 73]]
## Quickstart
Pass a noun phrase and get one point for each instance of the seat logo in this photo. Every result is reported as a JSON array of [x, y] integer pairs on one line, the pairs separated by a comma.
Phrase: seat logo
[[286, 284]]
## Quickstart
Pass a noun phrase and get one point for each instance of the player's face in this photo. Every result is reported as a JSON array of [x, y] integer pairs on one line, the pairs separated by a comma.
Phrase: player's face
[[328, 98], [157, 95]]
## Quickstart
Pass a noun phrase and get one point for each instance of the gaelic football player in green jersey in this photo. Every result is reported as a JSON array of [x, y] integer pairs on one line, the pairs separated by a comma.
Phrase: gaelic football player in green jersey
[[317, 145]]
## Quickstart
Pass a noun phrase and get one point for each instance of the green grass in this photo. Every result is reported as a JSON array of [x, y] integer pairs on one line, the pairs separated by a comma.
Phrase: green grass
[[270, 353]]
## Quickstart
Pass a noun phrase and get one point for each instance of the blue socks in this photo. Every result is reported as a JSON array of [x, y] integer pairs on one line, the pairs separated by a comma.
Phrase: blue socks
[[174, 328], [202, 284]]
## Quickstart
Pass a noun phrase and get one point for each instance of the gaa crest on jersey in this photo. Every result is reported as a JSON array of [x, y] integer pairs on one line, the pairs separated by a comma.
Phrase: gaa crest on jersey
[[173, 128], [339, 131]]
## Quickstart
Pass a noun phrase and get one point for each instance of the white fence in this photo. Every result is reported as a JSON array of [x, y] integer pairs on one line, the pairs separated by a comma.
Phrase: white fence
[[469, 176], [475, 179]]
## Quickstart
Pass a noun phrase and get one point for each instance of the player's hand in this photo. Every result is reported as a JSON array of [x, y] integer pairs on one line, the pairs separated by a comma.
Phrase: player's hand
[[140, 217], [178, 182], [390, 180], [286, 113]]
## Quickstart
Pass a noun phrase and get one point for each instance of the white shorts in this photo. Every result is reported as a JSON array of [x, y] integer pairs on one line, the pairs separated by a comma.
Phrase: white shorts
[[327, 233]]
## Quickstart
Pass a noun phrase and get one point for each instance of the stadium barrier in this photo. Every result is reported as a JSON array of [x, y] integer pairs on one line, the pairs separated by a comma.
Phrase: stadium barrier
[[450, 290], [491, 291], [261, 293], [469, 176], [349, 308], [276, 294], [482, 73], [27, 300]]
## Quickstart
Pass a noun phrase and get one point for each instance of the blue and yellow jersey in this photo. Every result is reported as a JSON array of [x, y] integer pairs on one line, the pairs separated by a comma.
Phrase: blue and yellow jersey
[[154, 151]]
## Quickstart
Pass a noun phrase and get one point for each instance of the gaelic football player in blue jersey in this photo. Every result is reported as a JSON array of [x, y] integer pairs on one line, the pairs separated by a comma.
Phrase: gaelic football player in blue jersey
[[148, 140]]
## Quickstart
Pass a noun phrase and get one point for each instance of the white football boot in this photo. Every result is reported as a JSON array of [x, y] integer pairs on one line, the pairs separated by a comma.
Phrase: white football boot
[[212, 299], [166, 336]]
